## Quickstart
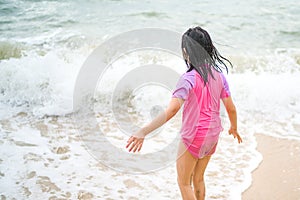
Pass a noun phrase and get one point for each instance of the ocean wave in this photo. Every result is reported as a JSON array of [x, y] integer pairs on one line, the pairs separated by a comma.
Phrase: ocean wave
[[41, 83], [150, 14], [277, 61], [45, 82], [11, 50]]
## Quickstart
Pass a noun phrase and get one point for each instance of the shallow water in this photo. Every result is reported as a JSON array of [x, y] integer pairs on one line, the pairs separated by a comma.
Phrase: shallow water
[[43, 46]]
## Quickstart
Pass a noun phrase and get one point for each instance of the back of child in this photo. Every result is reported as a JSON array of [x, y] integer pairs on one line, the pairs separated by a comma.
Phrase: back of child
[[201, 123]]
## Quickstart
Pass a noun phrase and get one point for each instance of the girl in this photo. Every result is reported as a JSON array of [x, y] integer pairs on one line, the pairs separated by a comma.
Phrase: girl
[[200, 89]]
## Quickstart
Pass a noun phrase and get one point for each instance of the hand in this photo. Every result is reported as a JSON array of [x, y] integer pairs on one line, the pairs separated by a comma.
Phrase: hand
[[233, 131], [135, 142]]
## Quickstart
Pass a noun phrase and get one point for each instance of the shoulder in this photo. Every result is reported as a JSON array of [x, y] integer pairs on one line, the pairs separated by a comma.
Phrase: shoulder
[[224, 79], [189, 77], [184, 85], [222, 75], [226, 90]]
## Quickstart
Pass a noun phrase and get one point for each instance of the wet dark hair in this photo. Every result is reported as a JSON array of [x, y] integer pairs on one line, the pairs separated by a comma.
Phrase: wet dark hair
[[201, 53]]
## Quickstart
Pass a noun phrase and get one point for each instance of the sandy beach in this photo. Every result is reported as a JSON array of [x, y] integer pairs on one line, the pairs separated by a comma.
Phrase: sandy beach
[[278, 175]]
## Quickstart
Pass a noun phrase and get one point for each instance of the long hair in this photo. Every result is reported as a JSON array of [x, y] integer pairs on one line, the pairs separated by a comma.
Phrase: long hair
[[200, 54]]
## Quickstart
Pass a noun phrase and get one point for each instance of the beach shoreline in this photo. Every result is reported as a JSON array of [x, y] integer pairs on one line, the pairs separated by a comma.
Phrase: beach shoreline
[[278, 175]]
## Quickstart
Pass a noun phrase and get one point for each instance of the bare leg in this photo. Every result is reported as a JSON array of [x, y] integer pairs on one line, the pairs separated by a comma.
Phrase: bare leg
[[198, 178], [185, 165]]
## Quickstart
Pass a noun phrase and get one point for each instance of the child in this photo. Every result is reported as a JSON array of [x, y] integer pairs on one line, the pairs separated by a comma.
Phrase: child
[[200, 89]]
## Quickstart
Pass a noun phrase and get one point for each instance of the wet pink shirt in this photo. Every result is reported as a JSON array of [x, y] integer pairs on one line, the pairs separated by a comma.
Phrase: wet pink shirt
[[201, 122]]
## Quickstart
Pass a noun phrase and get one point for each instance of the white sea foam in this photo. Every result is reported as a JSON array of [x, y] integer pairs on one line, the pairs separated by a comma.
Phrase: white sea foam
[[269, 101], [43, 83], [58, 165]]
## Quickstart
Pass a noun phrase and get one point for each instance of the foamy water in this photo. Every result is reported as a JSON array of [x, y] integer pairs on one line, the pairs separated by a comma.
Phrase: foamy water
[[43, 154]]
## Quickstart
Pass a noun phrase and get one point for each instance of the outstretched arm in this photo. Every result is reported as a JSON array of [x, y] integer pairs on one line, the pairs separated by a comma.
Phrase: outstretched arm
[[231, 111], [135, 142]]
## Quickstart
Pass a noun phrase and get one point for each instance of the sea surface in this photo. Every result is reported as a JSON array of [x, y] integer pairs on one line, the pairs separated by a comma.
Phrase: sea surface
[[43, 46]]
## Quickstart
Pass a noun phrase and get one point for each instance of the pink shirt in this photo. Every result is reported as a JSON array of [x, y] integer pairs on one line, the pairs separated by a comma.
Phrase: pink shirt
[[201, 122]]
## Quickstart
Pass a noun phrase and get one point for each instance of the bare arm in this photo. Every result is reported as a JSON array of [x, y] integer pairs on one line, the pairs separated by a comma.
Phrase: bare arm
[[232, 114], [135, 142], [163, 117]]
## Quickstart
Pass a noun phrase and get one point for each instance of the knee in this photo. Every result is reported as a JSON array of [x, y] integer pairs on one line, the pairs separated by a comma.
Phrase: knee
[[198, 179], [183, 183]]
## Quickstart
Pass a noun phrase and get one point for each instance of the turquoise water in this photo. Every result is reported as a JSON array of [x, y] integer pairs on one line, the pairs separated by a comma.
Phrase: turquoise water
[[244, 25], [43, 45]]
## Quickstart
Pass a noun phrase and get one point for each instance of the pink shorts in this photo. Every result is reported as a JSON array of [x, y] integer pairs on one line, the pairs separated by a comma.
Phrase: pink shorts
[[202, 146]]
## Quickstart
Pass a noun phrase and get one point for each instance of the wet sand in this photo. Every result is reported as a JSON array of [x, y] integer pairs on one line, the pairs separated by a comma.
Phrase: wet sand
[[278, 175]]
